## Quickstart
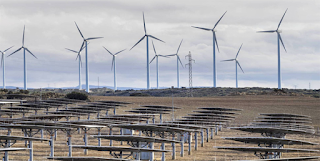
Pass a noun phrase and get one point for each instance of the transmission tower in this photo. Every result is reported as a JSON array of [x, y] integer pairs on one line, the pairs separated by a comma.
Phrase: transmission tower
[[190, 72]]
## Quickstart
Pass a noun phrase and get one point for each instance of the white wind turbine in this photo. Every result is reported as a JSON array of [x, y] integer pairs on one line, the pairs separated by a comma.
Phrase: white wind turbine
[[3, 66], [178, 60], [85, 43], [147, 38], [156, 56], [80, 63], [215, 42], [114, 66], [24, 59], [278, 39], [237, 64]]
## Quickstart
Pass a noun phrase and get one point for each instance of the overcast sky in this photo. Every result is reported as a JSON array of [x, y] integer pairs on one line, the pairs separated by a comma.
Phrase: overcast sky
[[50, 29]]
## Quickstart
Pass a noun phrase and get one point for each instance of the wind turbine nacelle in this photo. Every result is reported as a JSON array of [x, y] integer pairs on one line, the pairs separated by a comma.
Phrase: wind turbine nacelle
[[279, 31], [215, 30]]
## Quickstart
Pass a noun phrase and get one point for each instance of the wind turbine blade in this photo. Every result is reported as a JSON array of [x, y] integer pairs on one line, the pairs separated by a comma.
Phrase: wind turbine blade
[[155, 38], [24, 28], [219, 20], [154, 49], [144, 24], [239, 50], [179, 46], [91, 38], [153, 59], [282, 42], [172, 55], [71, 50], [282, 18], [202, 28], [7, 49], [112, 62], [79, 30], [107, 50], [15, 51], [240, 67], [268, 31], [31, 53], [77, 56], [84, 46], [119, 52], [215, 38], [179, 60], [228, 60], [138, 42]]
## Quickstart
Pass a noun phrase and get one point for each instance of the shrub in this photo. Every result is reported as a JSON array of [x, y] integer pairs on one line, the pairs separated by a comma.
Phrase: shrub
[[77, 95], [140, 94]]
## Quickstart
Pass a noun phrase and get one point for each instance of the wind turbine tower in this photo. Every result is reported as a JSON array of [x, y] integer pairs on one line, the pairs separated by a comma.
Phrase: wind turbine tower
[[279, 39], [147, 39], [156, 56], [237, 64], [85, 43], [80, 63], [178, 60], [215, 42], [3, 66], [114, 66], [24, 59]]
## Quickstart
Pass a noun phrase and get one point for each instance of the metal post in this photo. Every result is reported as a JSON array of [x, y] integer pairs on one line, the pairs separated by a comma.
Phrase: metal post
[[196, 140], [99, 139], [151, 147], [189, 143], [216, 131], [207, 131], [182, 146], [52, 145], [173, 148], [6, 153], [163, 157], [138, 153], [121, 133], [160, 118], [79, 129], [202, 137], [110, 134], [70, 145], [114, 111], [211, 133], [41, 132], [85, 141], [30, 151]]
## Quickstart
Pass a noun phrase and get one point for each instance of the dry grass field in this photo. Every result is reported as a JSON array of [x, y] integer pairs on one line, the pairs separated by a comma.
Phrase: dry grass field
[[251, 105]]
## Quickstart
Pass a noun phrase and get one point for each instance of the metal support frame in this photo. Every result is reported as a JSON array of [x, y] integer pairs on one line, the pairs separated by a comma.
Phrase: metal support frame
[[195, 140], [189, 143], [202, 137], [173, 148]]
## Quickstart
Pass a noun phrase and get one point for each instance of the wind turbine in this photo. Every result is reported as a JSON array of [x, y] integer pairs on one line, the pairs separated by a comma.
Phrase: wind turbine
[[237, 64], [147, 38], [279, 39], [114, 66], [24, 58], [215, 42], [156, 56], [178, 60], [85, 43], [3, 66], [80, 63]]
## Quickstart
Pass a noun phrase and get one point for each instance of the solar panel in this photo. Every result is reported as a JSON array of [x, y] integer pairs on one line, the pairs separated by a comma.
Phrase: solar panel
[[217, 112], [284, 115], [147, 112], [219, 109], [135, 138], [85, 158], [151, 127], [160, 107], [288, 159], [116, 148], [269, 140], [266, 149], [6, 137], [264, 129], [14, 149]]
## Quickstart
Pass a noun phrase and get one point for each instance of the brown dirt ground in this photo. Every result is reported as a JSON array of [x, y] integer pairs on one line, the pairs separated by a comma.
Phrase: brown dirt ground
[[251, 105]]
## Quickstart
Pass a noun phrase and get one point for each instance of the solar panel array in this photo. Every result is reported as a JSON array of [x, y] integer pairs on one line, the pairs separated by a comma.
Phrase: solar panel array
[[274, 127]]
